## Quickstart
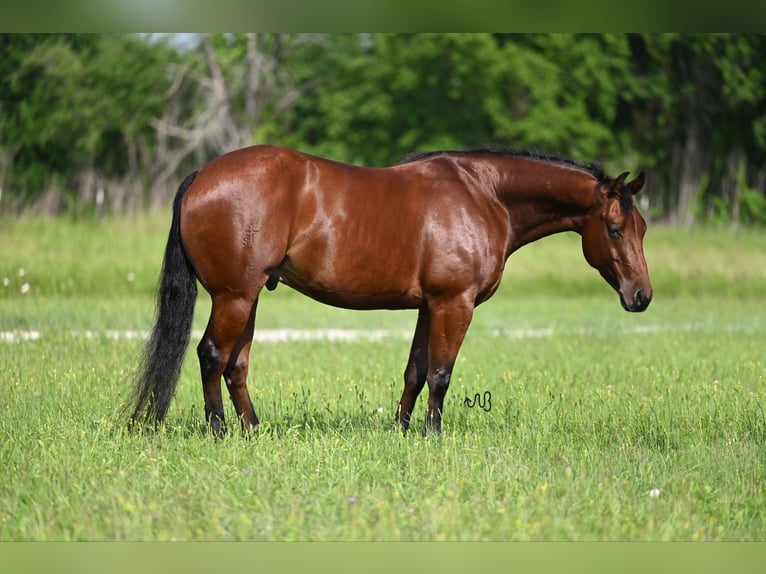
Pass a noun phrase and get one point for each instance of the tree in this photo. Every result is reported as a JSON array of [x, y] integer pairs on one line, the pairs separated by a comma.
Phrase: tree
[[562, 92], [385, 95], [71, 106], [702, 119], [239, 86], [113, 122]]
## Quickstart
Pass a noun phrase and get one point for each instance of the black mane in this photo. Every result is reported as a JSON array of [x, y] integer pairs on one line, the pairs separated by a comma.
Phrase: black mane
[[592, 168]]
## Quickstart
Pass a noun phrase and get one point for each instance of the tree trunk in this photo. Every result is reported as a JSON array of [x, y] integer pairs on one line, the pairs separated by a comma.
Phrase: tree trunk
[[732, 182], [690, 175], [220, 122]]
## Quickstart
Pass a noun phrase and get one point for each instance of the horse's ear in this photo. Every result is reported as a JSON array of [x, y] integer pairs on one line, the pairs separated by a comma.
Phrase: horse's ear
[[620, 181], [616, 184], [637, 184]]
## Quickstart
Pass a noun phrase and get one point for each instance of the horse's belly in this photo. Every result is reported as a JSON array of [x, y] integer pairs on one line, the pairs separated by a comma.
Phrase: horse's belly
[[352, 288]]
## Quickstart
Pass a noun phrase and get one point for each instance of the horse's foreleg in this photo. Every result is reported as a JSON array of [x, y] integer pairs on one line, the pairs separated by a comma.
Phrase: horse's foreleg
[[417, 368], [449, 322]]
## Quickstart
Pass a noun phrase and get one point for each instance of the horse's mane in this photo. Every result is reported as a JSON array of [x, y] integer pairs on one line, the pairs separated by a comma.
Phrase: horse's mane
[[592, 168]]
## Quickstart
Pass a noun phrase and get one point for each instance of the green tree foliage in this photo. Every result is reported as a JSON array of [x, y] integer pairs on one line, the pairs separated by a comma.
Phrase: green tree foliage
[[76, 104], [699, 120], [386, 95], [561, 93], [690, 109]]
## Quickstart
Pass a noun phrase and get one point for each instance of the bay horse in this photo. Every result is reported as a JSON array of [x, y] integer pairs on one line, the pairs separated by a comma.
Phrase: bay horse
[[431, 233]]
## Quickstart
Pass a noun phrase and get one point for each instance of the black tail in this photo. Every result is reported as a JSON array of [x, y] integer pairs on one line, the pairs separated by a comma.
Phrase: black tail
[[163, 355]]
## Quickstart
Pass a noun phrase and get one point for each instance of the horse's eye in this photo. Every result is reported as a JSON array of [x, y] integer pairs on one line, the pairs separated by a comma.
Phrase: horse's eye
[[614, 231]]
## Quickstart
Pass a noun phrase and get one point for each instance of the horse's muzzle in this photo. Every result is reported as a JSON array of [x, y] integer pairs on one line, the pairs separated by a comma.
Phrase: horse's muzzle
[[640, 302]]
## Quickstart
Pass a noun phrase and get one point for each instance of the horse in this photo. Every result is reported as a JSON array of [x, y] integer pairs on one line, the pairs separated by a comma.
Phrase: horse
[[432, 233]]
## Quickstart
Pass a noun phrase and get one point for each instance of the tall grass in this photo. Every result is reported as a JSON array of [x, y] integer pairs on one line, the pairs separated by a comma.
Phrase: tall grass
[[603, 425]]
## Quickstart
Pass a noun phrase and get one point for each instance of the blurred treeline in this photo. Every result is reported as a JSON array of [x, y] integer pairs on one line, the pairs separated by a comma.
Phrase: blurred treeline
[[111, 123]]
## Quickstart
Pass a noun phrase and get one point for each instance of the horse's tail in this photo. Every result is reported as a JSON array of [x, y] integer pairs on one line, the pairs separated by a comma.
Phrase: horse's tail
[[165, 348]]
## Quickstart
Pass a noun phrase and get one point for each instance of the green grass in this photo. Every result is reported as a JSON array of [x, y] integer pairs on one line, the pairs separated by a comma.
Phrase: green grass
[[592, 409]]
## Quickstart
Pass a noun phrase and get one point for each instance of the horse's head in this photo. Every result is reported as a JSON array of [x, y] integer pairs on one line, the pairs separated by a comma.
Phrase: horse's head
[[612, 241]]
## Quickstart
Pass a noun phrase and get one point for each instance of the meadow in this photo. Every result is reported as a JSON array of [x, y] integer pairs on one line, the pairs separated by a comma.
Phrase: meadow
[[602, 425]]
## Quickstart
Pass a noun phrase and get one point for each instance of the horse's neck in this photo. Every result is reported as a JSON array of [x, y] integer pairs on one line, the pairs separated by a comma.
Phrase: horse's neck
[[543, 198]]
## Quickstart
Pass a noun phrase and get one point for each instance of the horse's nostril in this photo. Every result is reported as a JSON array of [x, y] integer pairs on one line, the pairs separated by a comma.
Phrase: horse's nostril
[[641, 300]]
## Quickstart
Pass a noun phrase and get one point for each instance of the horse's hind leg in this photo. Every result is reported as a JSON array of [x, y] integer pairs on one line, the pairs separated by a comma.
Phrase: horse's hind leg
[[224, 351], [417, 368], [235, 374]]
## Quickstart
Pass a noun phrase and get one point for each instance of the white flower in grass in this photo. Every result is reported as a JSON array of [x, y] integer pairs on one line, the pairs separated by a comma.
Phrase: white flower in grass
[[131, 277], [22, 272], [654, 493], [6, 282], [25, 288]]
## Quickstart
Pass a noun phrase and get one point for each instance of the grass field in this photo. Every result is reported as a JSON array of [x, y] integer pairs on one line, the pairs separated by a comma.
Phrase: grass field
[[603, 425]]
